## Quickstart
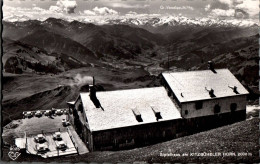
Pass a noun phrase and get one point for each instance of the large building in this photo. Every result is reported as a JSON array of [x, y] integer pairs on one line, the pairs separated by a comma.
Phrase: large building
[[189, 102], [203, 93]]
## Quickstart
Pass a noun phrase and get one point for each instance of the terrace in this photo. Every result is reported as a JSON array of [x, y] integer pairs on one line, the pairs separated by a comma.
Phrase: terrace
[[51, 147], [46, 135]]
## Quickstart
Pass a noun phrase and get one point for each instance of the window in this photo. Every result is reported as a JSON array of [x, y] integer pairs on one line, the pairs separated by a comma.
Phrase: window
[[186, 112], [199, 105], [80, 107], [216, 109], [233, 107]]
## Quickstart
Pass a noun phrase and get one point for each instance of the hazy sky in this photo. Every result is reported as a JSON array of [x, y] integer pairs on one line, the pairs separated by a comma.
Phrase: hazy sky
[[36, 9]]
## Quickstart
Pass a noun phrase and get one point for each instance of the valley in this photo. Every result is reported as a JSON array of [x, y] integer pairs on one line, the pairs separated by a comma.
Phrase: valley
[[130, 81], [41, 59]]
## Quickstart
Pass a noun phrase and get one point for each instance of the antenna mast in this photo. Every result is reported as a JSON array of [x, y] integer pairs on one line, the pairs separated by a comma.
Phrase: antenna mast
[[168, 62]]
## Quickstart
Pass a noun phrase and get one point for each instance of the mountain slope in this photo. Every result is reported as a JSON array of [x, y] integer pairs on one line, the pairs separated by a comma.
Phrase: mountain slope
[[106, 41], [53, 42], [119, 40], [244, 64], [187, 42], [17, 30], [23, 58]]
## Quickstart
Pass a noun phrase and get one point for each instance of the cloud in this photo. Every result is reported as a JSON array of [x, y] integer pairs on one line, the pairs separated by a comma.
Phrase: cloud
[[100, 11], [67, 6], [236, 8], [207, 7], [38, 9], [241, 14], [227, 2], [22, 14], [128, 6], [216, 4], [13, 14], [250, 6], [89, 12], [55, 9], [132, 13], [105, 11], [223, 13]]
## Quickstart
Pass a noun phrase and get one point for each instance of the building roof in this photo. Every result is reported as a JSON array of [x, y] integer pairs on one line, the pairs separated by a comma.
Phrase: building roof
[[119, 107], [195, 85]]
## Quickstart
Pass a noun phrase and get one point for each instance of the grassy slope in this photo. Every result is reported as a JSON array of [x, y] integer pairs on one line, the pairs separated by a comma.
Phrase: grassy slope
[[32, 92], [239, 137]]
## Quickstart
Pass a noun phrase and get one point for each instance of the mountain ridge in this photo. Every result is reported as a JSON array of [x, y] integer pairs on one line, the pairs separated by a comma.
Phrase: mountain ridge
[[153, 20]]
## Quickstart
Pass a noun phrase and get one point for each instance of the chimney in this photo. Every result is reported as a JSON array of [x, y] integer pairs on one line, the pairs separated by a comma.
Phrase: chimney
[[93, 97], [211, 66], [92, 92], [93, 80], [234, 89], [211, 92]]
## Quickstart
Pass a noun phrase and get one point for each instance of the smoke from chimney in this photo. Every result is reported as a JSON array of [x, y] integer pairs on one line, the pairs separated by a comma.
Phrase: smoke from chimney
[[80, 80]]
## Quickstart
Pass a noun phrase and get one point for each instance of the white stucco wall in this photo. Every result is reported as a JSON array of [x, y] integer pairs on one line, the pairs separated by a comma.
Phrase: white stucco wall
[[208, 106]]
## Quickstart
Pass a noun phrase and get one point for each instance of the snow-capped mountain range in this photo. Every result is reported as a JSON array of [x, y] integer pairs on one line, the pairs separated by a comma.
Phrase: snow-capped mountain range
[[151, 20], [180, 20]]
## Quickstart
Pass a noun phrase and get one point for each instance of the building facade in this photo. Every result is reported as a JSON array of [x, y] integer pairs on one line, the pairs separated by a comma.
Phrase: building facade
[[206, 92], [189, 102]]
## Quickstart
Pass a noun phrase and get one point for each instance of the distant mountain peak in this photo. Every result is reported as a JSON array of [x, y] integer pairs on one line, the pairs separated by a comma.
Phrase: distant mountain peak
[[146, 20], [181, 21]]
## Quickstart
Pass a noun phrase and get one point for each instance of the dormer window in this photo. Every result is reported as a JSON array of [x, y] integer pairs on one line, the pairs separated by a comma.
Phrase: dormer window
[[157, 113], [137, 115]]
